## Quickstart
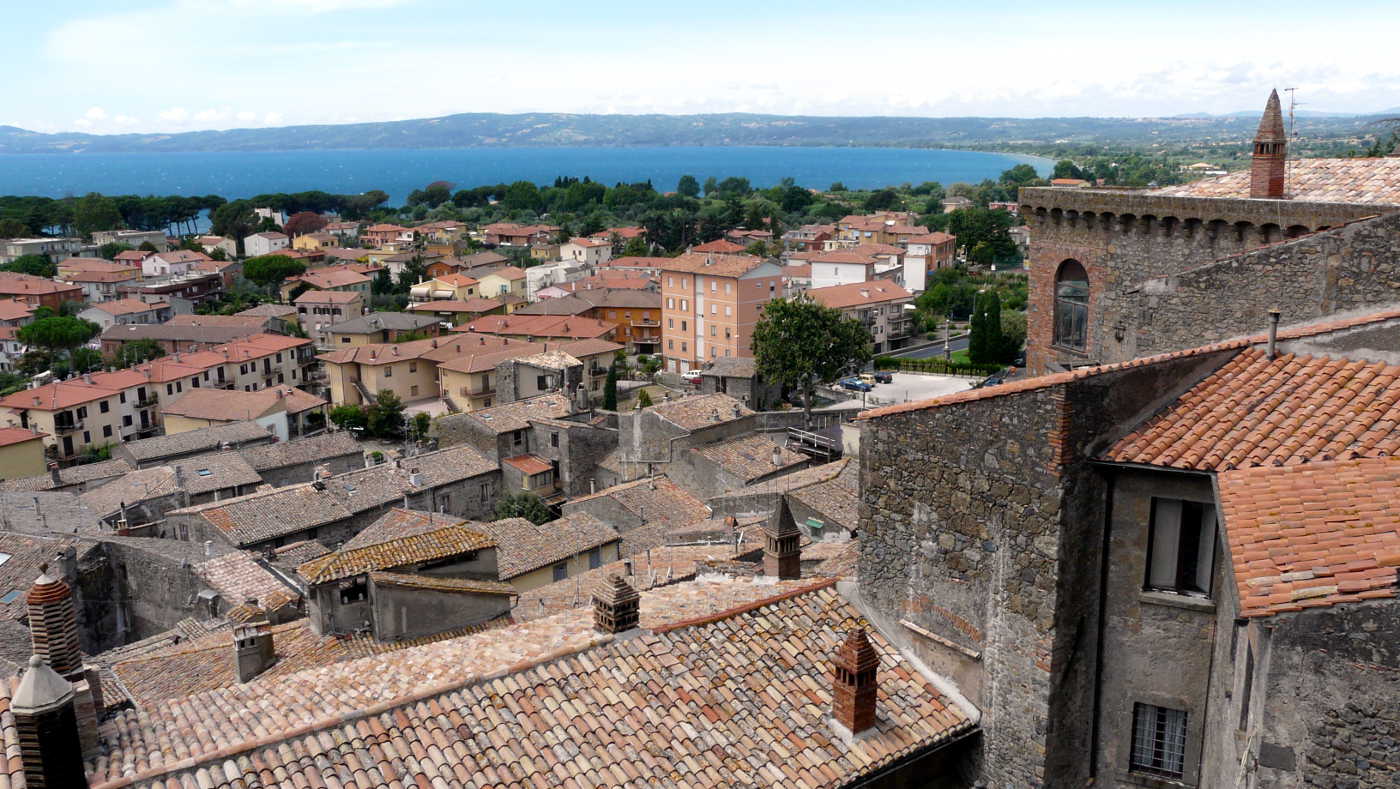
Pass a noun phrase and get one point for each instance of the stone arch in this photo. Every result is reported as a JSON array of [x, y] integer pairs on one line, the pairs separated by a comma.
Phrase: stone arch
[[1070, 316], [1057, 216], [1169, 226], [1215, 228], [1126, 222], [1244, 232], [1191, 227], [1270, 233], [1294, 231]]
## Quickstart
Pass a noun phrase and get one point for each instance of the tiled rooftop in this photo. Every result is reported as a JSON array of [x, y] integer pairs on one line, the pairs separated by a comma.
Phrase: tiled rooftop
[[294, 554], [1314, 535], [1364, 180], [751, 457], [224, 405], [398, 523], [522, 546], [697, 411], [206, 663], [207, 438], [837, 498], [494, 708], [656, 499], [69, 476], [302, 450], [516, 416], [238, 577], [267, 515], [131, 489], [17, 573], [425, 546], [708, 264], [1256, 411]]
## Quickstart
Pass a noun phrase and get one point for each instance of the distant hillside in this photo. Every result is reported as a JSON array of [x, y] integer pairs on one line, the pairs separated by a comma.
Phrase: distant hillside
[[471, 130]]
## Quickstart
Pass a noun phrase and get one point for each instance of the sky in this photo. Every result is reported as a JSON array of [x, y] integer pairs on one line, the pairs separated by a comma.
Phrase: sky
[[181, 65]]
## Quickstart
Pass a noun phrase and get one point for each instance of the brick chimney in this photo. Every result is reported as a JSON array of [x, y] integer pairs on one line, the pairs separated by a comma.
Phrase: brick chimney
[[50, 748], [53, 625], [1268, 170], [615, 606], [253, 649], [853, 688], [782, 545]]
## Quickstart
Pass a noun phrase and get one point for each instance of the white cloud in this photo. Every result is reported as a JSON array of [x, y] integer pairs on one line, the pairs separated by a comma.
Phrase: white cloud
[[95, 114], [272, 119], [125, 120], [246, 116], [175, 115], [83, 123]]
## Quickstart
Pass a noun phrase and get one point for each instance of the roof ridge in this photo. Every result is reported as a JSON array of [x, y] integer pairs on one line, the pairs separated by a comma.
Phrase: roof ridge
[[729, 613]]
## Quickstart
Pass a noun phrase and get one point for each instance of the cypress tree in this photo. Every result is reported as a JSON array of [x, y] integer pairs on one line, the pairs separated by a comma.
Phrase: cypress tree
[[610, 390]]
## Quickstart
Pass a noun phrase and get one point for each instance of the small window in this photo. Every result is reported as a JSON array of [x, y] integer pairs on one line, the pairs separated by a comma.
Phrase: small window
[[1181, 548], [10, 596], [554, 439], [595, 558], [388, 371], [126, 421], [353, 591], [1071, 305], [1159, 741], [106, 431], [561, 571], [204, 472], [104, 406], [413, 367]]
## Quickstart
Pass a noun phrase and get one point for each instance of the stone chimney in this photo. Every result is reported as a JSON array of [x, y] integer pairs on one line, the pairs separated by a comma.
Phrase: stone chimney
[[50, 748], [53, 625], [1267, 173], [782, 545], [853, 688], [53, 467], [615, 606], [253, 649]]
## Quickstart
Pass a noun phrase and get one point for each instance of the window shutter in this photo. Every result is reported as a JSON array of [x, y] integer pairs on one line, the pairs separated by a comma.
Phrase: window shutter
[[1166, 539], [1206, 547]]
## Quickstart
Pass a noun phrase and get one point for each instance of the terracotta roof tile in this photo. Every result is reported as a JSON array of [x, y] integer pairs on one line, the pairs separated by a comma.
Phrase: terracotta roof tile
[[522, 546], [751, 457], [420, 547], [1258, 411], [1339, 543], [1365, 180]]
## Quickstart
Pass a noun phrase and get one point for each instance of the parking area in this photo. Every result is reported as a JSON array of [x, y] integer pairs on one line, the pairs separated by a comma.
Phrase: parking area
[[911, 387]]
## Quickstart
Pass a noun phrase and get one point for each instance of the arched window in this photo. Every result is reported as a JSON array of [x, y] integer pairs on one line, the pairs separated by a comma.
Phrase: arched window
[[1071, 305]]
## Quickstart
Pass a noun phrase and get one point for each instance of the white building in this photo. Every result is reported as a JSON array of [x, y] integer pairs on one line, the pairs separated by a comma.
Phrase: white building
[[132, 238], [537, 278], [276, 215], [174, 263], [588, 251], [264, 244], [53, 247]]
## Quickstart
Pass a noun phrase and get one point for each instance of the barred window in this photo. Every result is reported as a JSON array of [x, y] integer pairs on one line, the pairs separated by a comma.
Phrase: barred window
[[1159, 741], [1071, 305]]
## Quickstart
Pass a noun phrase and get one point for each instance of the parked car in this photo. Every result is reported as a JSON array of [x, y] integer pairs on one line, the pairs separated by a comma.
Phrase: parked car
[[855, 385], [884, 377], [868, 378], [691, 376]]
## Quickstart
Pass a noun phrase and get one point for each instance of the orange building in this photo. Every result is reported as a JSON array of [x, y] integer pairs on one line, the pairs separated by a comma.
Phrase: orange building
[[710, 305]]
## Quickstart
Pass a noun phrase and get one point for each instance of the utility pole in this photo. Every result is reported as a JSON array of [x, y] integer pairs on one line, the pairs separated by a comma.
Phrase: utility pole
[[947, 330]]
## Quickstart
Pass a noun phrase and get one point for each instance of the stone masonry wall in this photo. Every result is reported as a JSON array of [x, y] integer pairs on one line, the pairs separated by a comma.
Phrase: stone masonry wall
[[1332, 699], [981, 523], [1123, 238], [1342, 269]]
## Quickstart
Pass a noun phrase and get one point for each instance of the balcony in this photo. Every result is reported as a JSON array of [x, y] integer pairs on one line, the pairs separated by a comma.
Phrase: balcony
[[64, 428], [147, 400], [646, 324]]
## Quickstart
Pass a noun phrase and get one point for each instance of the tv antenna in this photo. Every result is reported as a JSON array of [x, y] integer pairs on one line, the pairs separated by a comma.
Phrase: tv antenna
[[1292, 136]]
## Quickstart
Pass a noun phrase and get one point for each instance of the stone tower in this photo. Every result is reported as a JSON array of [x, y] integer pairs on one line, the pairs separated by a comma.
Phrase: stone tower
[[50, 749], [1266, 174], [782, 545], [853, 689], [53, 624]]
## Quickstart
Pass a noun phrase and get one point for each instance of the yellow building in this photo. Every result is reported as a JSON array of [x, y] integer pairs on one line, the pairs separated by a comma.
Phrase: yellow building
[[314, 242], [408, 369], [504, 281], [448, 287], [530, 556], [21, 453]]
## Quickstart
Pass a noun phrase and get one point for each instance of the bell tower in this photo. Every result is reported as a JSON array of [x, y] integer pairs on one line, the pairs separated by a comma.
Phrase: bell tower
[[1266, 174]]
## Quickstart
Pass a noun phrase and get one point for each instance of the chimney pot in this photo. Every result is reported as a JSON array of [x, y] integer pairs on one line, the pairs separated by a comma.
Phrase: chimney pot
[[854, 688], [782, 545], [50, 744], [1274, 315], [615, 606]]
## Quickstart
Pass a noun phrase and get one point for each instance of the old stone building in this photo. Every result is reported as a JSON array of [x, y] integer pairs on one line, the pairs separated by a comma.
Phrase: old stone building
[[1122, 273], [1178, 570]]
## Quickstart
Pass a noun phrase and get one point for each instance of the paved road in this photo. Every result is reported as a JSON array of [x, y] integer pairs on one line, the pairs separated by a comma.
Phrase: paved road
[[935, 350]]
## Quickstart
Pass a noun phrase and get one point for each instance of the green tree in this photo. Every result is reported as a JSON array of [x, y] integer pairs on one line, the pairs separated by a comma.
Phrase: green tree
[[635, 247], [1068, 169], [95, 212], [882, 200], [610, 389], [1013, 332], [13, 228], [271, 270], [348, 417], [384, 418], [523, 505], [836, 186], [422, 423], [987, 345], [111, 249], [34, 265], [137, 351], [800, 343], [687, 186], [57, 333], [84, 360], [147, 246], [644, 399]]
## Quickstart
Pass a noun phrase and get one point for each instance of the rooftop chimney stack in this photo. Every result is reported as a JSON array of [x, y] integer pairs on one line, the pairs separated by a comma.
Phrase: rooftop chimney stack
[[615, 606], [50, 747], [1267, 173], [782, 545], [853, 687], [53, 625], [1274, 316], [253, 649]]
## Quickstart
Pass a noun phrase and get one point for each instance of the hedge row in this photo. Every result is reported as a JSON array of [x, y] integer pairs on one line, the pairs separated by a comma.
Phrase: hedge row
[[935, 365]]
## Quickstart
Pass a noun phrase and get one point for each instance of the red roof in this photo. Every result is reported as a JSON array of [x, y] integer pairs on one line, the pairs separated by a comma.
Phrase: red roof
[[858, 294], [719, 246], [10, 436], [529, 464], [539, 326], [1314, 535]]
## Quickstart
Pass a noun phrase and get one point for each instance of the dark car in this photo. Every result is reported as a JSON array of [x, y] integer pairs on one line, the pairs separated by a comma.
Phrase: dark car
[[884, 377], [855, 385]]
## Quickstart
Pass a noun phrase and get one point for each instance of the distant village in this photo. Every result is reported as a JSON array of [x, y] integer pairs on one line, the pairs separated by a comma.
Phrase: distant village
[[599, 547]]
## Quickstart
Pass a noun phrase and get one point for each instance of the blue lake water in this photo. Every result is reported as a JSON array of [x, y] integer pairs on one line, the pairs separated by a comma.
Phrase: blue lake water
[[400, 171]]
